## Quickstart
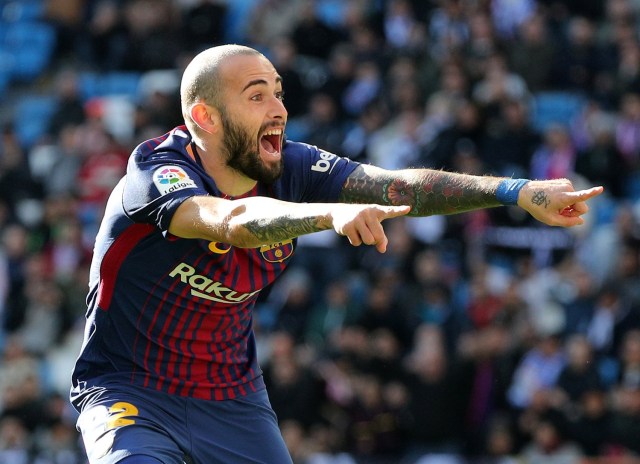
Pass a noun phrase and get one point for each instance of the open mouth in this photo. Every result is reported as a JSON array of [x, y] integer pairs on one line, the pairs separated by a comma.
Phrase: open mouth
[[271, 141]]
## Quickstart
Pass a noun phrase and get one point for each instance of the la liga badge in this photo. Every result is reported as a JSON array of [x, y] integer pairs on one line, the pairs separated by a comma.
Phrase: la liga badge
[[169, 179]]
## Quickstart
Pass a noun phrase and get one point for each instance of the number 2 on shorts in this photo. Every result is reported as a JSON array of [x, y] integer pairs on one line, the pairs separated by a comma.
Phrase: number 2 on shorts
[[121, 414]]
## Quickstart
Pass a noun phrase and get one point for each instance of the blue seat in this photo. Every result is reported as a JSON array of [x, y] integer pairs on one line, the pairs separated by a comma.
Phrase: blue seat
[[236, 19], [31, 45], [21, 10], [555, 108], [32, 116], [332, 12], [93, 85]]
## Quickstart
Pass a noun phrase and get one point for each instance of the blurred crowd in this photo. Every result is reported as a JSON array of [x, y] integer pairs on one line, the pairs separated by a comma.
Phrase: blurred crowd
[[482, 338]]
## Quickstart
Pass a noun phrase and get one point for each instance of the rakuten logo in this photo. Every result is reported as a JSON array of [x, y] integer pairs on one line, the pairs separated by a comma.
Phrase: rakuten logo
[[203, 287]]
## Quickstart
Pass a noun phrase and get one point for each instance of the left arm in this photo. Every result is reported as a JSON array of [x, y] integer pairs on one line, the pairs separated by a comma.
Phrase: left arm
[[430, 192]]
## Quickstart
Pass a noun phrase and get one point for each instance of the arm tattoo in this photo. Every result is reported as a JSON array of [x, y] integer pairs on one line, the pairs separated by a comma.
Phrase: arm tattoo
[[281, 228], [427, 191], [540, 198]]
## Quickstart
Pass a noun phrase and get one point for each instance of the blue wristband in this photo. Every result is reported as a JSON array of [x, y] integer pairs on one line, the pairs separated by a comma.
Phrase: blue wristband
[[508, 190]]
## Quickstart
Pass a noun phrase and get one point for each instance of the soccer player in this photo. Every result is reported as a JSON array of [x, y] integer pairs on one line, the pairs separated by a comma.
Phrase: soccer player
[[206, 216]]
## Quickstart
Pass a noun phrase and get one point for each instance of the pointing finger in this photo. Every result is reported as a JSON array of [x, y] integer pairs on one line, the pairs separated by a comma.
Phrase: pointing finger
[[582, 195], [393, 211]]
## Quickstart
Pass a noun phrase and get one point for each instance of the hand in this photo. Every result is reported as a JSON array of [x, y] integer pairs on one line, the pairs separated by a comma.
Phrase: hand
[[555, 202], [363, 223]]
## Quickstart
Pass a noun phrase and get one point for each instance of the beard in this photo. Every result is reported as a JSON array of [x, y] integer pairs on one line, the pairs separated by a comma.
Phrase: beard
[[243, 152]]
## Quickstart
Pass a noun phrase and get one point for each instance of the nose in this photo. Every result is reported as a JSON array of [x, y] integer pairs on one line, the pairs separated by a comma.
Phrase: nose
[[278, 110]]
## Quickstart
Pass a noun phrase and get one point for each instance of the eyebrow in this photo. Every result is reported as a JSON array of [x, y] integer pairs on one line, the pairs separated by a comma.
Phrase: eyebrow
[[261, 82]]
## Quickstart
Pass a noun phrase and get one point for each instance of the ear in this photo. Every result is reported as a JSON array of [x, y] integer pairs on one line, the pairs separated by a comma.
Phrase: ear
[[206, 117]]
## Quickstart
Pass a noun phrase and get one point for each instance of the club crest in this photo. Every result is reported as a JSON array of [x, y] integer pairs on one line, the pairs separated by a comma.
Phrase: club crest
[[277, 252]]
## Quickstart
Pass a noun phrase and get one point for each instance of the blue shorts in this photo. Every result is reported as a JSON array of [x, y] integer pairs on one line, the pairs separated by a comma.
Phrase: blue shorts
[[120, 421]]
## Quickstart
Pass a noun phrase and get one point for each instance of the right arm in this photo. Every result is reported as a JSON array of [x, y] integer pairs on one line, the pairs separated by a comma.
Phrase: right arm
[[428, 191], [255, 221]]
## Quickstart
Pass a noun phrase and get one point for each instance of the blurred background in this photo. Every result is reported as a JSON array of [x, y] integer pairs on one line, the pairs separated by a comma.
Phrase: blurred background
[[477, 338]]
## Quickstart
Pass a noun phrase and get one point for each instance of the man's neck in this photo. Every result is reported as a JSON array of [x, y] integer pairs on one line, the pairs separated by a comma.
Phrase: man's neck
[[228, 180]]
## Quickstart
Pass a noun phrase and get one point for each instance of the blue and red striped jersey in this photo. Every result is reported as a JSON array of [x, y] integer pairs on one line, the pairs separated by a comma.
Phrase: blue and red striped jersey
[[175, 314]]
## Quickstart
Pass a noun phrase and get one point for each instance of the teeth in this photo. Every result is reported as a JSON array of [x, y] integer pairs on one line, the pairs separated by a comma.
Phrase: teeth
[[274, 132]]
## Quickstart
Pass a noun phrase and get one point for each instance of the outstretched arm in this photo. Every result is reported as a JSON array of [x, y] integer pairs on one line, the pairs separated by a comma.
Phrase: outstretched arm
[[430, 192], [255, 221]]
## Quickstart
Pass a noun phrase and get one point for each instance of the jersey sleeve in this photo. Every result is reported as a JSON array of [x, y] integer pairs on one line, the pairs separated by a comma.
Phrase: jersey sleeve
[[154, 188], [316, 175]]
